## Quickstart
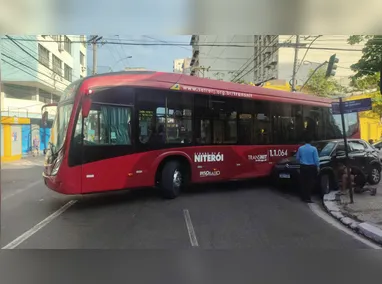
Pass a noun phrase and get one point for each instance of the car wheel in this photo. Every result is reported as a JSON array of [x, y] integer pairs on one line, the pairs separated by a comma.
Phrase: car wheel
[[325, 184], [374, 175], [172, 179]]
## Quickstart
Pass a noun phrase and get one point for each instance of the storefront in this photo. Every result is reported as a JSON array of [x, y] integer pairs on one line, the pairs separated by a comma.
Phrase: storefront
[[12, 139]]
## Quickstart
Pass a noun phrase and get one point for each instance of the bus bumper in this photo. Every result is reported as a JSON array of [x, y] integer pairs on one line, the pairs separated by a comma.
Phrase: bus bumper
[[51, 183]]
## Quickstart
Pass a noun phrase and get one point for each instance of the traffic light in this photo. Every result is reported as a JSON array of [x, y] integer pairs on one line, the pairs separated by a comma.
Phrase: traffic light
[[332, 66]]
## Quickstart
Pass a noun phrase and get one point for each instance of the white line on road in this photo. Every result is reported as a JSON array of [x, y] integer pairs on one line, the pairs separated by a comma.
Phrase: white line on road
[[39, 226], [316, 209], [17, 191], [190, 228]]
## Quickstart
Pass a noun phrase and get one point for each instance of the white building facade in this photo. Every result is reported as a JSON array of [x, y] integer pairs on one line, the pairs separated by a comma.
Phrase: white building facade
[[182, 66], [36, 69], [270, 57]]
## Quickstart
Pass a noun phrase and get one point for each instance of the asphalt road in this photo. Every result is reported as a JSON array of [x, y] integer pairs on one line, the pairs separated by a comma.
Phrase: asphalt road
[[229, 216]]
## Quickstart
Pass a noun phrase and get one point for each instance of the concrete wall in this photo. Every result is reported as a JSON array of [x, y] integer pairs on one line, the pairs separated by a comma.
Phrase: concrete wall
[[16, 140], [24, 108]]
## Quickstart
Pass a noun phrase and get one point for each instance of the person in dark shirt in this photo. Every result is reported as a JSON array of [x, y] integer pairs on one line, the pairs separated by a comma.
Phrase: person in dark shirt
[[307, 156]]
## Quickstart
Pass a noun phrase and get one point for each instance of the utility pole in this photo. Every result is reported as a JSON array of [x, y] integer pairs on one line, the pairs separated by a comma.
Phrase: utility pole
[[94, 40], [295, 63]]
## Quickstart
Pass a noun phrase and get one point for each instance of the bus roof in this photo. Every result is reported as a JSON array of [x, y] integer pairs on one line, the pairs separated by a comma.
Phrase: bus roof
[[186, 83]]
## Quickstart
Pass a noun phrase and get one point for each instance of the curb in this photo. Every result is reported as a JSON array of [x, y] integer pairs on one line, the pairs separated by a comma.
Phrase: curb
[[370, 231]]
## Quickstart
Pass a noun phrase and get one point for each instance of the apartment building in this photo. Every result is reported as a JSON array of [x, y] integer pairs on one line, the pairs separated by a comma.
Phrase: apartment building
[[270, 57], [35, 71], [219, 57], [182, 66]]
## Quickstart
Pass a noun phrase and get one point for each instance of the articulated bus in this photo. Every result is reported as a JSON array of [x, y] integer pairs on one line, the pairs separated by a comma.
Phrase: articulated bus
[[151, 129]]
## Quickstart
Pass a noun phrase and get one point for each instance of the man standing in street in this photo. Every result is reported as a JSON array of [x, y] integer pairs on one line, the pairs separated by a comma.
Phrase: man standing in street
[[307, 156]]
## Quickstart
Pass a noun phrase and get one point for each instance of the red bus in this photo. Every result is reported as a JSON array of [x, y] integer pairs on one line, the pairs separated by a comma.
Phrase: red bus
[[143, 129]]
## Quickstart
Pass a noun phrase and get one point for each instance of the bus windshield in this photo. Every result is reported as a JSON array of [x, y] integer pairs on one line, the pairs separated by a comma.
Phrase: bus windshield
[[62, 119], [60, 126]]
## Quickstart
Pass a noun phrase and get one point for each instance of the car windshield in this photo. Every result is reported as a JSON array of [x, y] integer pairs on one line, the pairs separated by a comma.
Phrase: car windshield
[[324, 148]]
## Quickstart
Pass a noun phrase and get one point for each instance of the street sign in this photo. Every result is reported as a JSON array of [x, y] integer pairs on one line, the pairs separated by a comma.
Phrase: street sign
[[352, 106]]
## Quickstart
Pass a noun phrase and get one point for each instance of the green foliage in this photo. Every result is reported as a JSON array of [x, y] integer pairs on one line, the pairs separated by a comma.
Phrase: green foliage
[[354, 39], [377, 102], [366, 82], [370, 62], [320, 86]]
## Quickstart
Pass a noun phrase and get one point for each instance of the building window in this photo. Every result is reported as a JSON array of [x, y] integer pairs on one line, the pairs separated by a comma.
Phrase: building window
[[82, 58], [43, 55], [57, 65], [67, 44], [68, 73]]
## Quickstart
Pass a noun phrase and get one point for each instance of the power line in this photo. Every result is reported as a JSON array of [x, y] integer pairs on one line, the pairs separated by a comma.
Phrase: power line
[[214, 45], [28, 66], [259, 54], [38, 60], [17, 67], [264, 58], [306, 52]]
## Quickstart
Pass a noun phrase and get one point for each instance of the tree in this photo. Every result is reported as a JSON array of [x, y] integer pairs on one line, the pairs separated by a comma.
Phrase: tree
[[368, 67], [320, 86]]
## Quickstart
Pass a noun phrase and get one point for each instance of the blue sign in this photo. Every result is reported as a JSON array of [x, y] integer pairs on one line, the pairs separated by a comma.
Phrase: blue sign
[[352, 106]]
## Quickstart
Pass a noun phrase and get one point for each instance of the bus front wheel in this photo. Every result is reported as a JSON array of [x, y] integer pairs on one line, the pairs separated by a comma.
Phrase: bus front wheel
[[172, 179]]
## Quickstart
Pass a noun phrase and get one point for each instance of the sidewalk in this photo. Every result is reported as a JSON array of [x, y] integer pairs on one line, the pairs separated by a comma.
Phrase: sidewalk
[[364, 215], [26, 162]]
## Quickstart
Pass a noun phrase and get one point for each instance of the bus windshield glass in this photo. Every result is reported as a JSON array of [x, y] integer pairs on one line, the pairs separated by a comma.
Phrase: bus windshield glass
[[62, 119], [60, 126]]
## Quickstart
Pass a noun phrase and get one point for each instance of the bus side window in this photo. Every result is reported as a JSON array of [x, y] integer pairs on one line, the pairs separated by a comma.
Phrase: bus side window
[[178, 123]]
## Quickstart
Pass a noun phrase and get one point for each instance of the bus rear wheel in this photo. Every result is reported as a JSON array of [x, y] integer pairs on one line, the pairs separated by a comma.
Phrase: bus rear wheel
[[172, 179]]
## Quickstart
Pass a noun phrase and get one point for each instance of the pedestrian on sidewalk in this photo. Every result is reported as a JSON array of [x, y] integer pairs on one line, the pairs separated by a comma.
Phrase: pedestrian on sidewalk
[[307, 156], [36, 145]]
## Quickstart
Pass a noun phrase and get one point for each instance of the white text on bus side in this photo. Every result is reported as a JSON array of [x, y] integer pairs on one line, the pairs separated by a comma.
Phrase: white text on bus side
[[278, 153], [208, 157]]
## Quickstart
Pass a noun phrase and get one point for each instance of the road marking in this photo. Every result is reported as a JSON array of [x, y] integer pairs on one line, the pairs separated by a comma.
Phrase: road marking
[[38, 227], [316, 209], [17, 191], [190, 228]]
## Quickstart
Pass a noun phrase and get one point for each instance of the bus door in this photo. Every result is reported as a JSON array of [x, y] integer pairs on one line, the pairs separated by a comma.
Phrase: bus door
[[107, 142]]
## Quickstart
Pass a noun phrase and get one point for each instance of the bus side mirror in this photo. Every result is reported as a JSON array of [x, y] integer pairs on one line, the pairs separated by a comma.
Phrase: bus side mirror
[[86, 105]]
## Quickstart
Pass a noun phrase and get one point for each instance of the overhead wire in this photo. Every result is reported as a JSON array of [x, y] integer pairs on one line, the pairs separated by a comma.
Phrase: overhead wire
[[249, 61]]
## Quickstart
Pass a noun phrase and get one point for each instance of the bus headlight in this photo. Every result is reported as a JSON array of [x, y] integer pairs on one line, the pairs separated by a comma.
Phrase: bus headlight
[[57, 164]]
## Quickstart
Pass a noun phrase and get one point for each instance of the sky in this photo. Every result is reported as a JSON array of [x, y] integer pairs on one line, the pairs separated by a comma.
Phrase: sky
[[156, 58]]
